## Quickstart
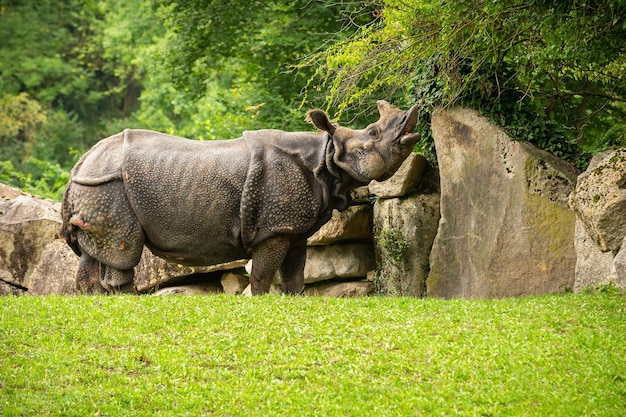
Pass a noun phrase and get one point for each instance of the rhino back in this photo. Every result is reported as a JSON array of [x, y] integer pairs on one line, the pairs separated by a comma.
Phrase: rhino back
[[101, 164], [186, 195]]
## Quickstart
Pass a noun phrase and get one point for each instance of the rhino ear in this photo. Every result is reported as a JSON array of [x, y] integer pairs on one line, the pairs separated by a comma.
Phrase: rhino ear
[[320, 119]]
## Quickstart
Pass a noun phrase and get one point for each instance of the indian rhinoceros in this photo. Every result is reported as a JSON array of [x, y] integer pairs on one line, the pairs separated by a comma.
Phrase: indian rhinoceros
[[203, 203]]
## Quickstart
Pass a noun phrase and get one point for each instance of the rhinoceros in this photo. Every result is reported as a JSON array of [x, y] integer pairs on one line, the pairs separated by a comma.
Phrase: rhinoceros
[[198, 203]]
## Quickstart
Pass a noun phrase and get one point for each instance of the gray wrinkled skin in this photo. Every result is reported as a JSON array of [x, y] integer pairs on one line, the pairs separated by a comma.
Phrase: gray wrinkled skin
[[202, 203]]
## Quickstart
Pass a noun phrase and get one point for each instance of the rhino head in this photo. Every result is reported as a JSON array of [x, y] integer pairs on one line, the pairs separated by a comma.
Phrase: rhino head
[[376, 152]]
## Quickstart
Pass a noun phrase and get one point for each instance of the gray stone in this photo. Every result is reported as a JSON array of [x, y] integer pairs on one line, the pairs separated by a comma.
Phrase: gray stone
[[341, 289], [404, 232], [196, 289], [8, 289], [403, 181], [600, 199], [618, 270], [505, 229], [55, 272], [338, 261], [27, 225], [153, 271], [9, 193], [360, 195], [234, 283], [593, 267], [354, 224]]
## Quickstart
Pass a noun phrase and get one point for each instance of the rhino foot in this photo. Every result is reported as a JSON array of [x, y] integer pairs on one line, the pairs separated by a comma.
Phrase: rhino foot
[[117, 280], [266, 259]]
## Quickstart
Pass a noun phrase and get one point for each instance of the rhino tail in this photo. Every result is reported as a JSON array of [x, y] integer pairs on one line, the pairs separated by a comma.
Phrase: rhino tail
[[67, 231]]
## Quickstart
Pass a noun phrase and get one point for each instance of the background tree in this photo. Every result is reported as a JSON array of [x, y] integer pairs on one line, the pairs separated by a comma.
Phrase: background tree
[[235, 60], [75, 71], [68, 76], [551, 72]]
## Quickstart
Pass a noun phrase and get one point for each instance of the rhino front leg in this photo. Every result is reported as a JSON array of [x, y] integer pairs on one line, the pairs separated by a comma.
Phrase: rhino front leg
[[266, 259], [292, 269]]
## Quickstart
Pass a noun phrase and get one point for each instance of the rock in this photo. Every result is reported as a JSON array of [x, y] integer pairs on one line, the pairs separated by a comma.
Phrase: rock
[[234, 283], [55, 272], [153, 271], [593, 267], [403, 237], [8, 289], [341, 289], [403, 181], [197, 289], [505, 228], [360, 195], [27, 226], [354, 224], [618, 270], [9, 193], [338, 261], [600, 199]]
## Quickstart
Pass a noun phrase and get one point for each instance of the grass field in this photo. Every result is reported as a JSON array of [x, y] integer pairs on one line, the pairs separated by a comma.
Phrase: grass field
[[296, 356]]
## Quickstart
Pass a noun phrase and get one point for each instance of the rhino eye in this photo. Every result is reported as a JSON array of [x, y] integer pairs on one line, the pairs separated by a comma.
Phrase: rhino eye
[[372, 132]]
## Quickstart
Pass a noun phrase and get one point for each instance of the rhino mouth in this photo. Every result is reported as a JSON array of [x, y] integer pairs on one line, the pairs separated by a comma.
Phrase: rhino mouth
[[407, 137]]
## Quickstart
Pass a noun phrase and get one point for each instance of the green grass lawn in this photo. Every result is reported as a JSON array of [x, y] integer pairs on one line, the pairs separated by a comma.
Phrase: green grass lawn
[[295, 356]]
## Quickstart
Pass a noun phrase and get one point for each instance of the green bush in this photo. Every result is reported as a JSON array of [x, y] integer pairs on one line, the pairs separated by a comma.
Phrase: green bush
[[43, 178]]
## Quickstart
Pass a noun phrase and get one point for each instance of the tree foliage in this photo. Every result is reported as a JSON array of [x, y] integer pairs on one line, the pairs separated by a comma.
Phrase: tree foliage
[[75, 71], [239, 55], [554, 72], [69, 75], [76, 63]]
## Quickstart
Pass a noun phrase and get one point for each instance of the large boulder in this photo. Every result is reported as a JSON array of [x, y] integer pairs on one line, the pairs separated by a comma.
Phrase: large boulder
[[618, 270], [341, 289], [8, 289], [599, 202], [405, 180], [234, 283], [9, 193], [505, 227], [354, 224], [153, 271], [338, 261], [600, 199], [55, 273], [404, 232], [593, 267], [27, 225]]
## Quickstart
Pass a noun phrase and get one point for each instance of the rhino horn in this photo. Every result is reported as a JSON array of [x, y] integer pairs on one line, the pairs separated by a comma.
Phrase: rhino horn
[[411, 118], [386, 109]]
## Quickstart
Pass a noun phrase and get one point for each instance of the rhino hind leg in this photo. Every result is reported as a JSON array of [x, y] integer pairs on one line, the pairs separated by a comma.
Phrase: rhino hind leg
[[107, 233], [94, 277], [88, 276], [267, 257]]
